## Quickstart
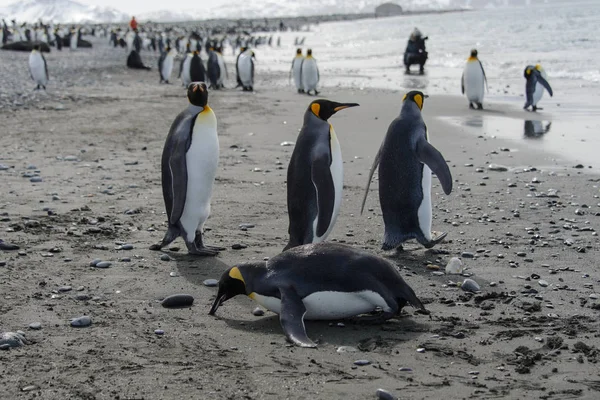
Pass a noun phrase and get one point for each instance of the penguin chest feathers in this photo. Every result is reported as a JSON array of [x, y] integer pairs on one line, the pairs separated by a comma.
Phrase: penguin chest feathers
[[328, 305], [474, 81]]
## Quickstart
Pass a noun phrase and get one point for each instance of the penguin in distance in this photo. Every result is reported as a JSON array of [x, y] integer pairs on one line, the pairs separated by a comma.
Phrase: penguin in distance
[[197, 71], [245, 69], [296, 70], [189, 165], [474, 81], [406, 159], [322, 281], [38, 68], [315, 176], [309, 73], [536, 82], [165, 64]]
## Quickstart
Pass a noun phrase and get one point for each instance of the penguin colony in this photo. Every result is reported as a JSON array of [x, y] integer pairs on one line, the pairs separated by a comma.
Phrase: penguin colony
[[310, 279]]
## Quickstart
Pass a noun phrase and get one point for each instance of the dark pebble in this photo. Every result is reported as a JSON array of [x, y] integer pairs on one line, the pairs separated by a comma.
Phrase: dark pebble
[[238, 246], [159, 332], [127, 247], [95, 262], [246, 226], [65, 289], [165, 257], [35, 326], [258, 312], [83, 297], [210, 282], [36, 179], [178, 300], [103, 264], [81, 322], [125, 259], [362, 362], [385, 395], [466, 254]]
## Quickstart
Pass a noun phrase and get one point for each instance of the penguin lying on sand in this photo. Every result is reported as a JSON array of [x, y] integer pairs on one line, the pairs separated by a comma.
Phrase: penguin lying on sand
[[320, 281], [406, 159]]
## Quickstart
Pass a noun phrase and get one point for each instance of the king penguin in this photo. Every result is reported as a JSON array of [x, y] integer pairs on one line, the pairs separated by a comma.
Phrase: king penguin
[[296, 70], [165, 64], [73, 40], [535, 85], [474, 81], [245, 70], [309, 73], [406, 159], [322, 281], [38, 68], [315, 176], [213, 69], [189, 165], [197, 71], [184, 68]]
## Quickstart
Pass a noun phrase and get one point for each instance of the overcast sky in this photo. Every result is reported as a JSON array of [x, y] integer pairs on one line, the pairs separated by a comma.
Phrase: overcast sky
[[138, 6]]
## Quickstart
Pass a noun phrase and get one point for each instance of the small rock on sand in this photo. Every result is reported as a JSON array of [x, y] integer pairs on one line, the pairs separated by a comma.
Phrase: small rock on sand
[[178, 300], [81, 322]]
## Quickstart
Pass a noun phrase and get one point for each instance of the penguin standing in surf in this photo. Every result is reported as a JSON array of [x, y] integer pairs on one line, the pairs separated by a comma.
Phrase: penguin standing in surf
[[296, 70], [197, 70], [320, 282], [406, 159], [534, 88], [245, 70], [165, 65], [473, 81], [38, 68], [189, 165], [315, 176], [309, 73]]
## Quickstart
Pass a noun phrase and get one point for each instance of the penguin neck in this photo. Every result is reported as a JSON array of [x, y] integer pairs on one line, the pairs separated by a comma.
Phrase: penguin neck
[[410, 109], [197, 109], [471, 59], [253, 273]]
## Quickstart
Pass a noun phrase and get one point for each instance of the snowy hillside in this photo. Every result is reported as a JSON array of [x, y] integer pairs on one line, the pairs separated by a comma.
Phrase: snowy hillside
[[60, 11]]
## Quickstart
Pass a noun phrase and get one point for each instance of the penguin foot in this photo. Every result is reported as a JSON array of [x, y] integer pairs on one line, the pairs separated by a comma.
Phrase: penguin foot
[[376, 318], [534, 108], [439, 236], [215, 248], [316, 93], [479, 106], [471, 106]]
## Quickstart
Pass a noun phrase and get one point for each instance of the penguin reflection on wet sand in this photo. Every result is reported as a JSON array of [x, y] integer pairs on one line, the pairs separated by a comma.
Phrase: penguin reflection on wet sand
[[315, 176], [189, 165], [535, 85], [325, 281], [406, 160]]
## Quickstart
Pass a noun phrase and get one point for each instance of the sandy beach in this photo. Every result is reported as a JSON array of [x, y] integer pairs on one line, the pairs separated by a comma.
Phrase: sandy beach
[[522, 221]]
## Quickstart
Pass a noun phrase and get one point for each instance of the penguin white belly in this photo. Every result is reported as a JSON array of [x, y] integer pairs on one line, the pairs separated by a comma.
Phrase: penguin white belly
[[538, 93], [245, 69], [296, 72], [221, 61], [424, 212], [37, 68], [73, 42], [185, 73], [201, 160], [337, 174], [474, 82], [310, 74], [167, 67], [329, 305]]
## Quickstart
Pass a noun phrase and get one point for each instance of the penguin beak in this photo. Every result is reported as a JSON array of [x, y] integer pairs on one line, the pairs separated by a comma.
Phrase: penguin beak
[[221, 297], [345, 105]]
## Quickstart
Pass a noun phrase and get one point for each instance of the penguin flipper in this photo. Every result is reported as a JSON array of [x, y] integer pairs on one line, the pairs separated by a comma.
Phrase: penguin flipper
[[292, 318], [371, 172], [177, 176], [462, 83], [430, 156], [545, 84], [45, 67], [484, 77], [323, 181]]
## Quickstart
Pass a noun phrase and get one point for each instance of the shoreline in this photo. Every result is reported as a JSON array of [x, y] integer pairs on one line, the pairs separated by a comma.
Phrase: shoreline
[[526, 234]]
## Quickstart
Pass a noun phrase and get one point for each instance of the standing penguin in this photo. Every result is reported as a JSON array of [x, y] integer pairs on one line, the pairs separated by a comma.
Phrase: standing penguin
[[296, 70], [245, 69], [309, 73], [534, 88], [315, 176], [165, 65], [222, 67], [38, 68], [197, 71], [73, 40], [473, 81], [405, 161], [184, 69], [213, 69], [189, 166]]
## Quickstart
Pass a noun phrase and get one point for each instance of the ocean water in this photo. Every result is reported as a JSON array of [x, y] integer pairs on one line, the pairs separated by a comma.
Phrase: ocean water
[[562, 37]]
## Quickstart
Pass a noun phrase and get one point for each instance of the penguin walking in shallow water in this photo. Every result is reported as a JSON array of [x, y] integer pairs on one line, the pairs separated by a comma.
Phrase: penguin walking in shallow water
[[189, 165], [406, 159], [315, 176], [165, 65], [245, 70], [296, 70], [197, 71], [474, 81], [309, 73], [320, 282], [38, 68], [534, 88]]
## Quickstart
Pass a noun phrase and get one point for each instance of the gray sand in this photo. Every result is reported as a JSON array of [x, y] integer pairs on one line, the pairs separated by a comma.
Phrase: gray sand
[[517, 223]]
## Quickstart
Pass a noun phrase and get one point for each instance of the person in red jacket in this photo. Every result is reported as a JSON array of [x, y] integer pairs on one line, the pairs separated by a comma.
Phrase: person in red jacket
[[133, 24]]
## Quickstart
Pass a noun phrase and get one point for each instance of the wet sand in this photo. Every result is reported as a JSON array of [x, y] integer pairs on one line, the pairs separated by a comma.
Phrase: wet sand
[[515, 230]]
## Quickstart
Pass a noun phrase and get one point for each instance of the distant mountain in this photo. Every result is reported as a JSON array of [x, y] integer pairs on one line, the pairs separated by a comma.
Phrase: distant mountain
[[60, 11]]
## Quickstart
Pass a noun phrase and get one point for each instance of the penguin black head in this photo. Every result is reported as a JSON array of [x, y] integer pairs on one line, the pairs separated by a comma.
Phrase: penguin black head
[[197, 94], [324, 109], [309, 52], [36, 47], [232, 283], [474, 53], [299, 52], [415, 96]]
